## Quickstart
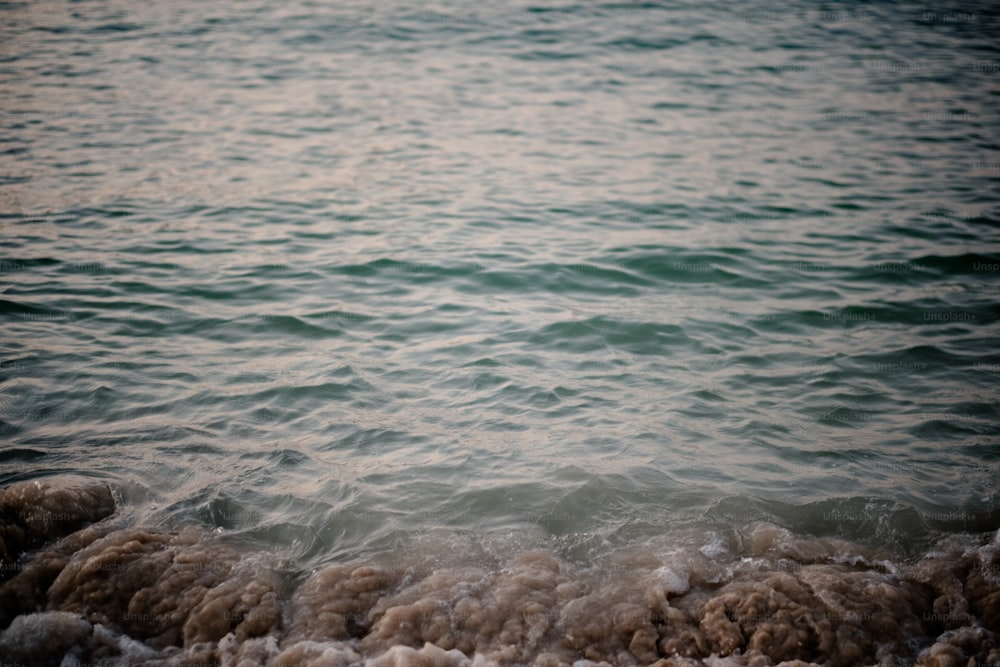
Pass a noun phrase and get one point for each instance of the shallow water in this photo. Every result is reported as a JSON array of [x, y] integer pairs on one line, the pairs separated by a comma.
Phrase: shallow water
[[115, 594], [339, 283]]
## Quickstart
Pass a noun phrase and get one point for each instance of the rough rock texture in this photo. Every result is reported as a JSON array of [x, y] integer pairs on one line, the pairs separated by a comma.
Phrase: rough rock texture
[[150, 597], [336, 602], [168, 590], [43, 638], [33, 513], [27, 591], [823, 613]]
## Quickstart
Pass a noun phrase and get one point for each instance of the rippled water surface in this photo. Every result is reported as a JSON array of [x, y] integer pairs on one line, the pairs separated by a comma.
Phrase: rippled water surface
[[340, 278]]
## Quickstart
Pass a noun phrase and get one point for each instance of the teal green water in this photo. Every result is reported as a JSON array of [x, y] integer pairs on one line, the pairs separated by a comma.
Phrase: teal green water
[[330, 279]]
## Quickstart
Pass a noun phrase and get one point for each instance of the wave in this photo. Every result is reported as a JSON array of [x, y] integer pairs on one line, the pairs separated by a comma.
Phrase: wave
[[108, 593]]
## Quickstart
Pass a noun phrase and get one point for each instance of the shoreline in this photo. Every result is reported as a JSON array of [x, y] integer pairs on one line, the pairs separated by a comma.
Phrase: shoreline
[[116, 595]]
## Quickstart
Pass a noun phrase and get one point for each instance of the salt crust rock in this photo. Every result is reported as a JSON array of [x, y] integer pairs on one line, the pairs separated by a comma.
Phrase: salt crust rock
[[43, 638], [148, 597], [34, 513]]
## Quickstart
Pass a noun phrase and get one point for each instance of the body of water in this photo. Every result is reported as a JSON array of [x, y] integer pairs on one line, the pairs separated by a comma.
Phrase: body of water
[[543, 309]]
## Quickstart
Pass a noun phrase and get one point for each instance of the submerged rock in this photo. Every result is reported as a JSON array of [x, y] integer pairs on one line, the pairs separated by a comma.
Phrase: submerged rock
[[150, 597]]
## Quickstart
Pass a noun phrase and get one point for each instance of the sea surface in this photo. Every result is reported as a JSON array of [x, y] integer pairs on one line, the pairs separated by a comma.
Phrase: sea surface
[[356, 281]]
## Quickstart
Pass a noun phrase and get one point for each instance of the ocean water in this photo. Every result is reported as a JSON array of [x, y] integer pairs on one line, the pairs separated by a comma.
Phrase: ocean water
[[627, 290]]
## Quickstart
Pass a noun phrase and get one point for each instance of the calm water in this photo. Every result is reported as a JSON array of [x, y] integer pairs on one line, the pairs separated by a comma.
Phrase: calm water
[[337, 279]]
